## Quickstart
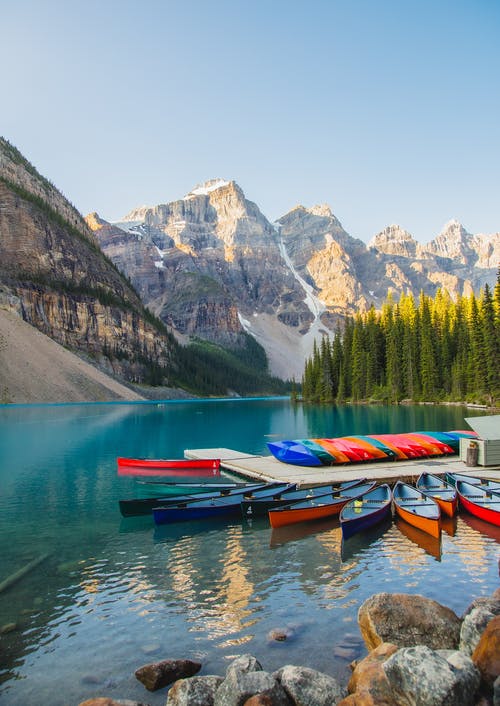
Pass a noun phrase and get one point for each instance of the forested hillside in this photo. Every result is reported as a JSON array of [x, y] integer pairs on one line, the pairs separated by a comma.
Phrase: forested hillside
[[433, 349]]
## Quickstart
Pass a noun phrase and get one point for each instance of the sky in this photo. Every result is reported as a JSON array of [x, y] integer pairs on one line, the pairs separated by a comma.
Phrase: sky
[[387, 110]]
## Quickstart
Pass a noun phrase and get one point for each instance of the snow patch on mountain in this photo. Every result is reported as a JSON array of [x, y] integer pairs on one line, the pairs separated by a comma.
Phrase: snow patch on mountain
[[314, 304], [207, 187]]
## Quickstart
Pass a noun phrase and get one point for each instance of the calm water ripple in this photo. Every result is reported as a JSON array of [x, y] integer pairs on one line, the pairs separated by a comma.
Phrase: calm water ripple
[[111, 594]]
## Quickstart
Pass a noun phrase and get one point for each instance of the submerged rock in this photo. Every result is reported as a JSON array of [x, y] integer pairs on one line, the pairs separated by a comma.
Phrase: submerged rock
[[279, 634], [8, 627]]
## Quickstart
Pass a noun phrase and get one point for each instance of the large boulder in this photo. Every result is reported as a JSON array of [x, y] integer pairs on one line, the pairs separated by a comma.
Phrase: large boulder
[[407, 620], [307, 687], [197, 691], [486, 656], [420, 676], [159, 674]]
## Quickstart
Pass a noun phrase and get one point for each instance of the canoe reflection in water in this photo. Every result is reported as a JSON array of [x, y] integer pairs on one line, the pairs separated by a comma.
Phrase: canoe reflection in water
[[360, 542], [299, 530], [430, 544], [449, 525], [481, 526]]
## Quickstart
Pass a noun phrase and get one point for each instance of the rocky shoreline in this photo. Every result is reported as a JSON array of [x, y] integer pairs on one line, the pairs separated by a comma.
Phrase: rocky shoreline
[[420, 653]]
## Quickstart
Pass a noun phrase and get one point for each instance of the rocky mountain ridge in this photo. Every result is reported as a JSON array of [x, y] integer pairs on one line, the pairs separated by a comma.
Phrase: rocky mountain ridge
[[54, 275], [211, 265]]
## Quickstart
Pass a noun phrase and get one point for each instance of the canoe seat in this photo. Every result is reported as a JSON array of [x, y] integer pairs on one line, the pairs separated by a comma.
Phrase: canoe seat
[[416, 504]]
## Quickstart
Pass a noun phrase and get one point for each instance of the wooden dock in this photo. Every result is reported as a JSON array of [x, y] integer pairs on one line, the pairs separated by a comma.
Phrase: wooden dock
[[268, 468]]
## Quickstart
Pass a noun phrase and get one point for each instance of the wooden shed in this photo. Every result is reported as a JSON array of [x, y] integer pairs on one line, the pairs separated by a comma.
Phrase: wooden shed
[[487, 443]]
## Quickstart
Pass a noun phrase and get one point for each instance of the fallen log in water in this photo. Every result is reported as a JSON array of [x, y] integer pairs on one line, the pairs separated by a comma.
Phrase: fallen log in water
[[15, 577]]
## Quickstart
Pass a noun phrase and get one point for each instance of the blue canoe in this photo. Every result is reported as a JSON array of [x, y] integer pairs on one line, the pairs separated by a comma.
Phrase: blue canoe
[[211, 507], [366, 511], [293, 452], [132, 507], [486, 483], [260, 506]]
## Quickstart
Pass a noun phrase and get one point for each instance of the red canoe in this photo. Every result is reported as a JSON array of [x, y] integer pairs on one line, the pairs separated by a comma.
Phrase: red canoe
[[165, 466], [479, 501]]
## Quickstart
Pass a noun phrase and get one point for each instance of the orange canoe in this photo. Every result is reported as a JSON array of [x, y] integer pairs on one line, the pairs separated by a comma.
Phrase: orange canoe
[[319, 507], [416, 508], [442, 492]]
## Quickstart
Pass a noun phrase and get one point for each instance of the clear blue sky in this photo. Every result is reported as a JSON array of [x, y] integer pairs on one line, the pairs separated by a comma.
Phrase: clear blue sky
[[388, 110]]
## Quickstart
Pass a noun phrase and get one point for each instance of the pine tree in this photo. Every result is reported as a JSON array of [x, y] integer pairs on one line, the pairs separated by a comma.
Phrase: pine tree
[[428, 354], [490, 344], [477, 382], [394, 358], [461, 352], [358, 362]]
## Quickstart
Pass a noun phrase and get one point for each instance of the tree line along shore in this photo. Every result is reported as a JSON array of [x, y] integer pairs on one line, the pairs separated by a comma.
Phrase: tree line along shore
[[433, 350]]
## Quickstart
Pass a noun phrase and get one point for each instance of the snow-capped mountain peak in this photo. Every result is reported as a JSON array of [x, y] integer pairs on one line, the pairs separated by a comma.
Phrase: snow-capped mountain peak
[[207, 187]]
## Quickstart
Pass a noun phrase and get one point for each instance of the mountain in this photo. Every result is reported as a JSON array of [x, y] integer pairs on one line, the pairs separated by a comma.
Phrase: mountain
[[194, 293], [55, 276], [212, 266]]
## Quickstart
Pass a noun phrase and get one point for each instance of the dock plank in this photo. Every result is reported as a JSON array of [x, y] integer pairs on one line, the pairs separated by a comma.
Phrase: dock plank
[[268, 468]]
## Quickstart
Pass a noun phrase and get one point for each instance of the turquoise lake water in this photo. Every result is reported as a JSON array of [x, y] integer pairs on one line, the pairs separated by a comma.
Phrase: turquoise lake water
[[111, 594]]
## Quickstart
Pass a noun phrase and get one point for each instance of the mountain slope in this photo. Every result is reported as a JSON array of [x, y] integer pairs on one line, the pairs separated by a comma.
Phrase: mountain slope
[[64, 285], [34, 368]]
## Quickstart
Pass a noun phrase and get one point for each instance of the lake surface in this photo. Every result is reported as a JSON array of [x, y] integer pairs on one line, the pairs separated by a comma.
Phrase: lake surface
[[111, 594]]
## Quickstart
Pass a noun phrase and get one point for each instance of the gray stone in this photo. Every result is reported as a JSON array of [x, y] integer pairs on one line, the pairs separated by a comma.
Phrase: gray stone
[[244, 664], [106, 701], [473, 626], [196, 691], [464, 667], [420, 676], [239, 686], [489, 603], [307, 687], [496, 692]]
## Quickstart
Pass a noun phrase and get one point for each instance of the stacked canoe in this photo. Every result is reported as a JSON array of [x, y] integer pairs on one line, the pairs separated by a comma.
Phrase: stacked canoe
[[371, 447]]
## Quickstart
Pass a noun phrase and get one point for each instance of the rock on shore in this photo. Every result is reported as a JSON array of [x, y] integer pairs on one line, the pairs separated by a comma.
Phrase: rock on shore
[[420, 654]]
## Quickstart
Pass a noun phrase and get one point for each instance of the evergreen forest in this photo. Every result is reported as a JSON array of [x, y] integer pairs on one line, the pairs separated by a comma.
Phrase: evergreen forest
[[430, 349]]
